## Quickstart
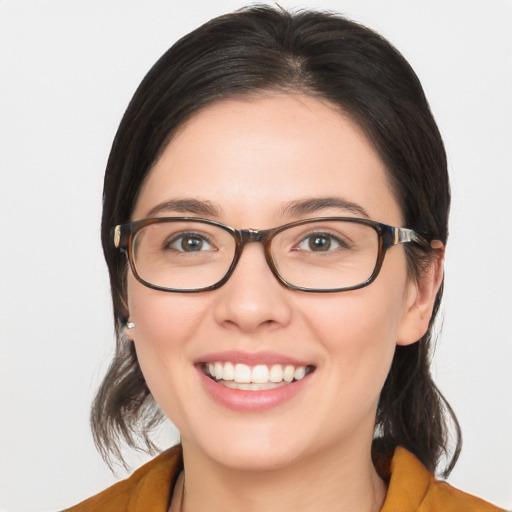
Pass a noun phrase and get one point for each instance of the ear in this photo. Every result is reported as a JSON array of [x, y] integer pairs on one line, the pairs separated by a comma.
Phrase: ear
[[420, 298]]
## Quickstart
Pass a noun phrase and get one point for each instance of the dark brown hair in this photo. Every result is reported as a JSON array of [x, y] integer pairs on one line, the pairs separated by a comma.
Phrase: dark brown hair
[[262, 49]]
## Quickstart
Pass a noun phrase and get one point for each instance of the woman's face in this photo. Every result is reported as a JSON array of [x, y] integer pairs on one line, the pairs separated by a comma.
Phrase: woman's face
[[245, 161]]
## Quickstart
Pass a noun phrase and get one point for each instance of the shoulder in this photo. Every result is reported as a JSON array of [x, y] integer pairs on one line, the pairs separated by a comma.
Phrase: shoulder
[[148, 488], [412, 488]]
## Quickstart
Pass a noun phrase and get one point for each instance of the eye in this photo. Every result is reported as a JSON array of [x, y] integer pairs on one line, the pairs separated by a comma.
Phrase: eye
[[188, 242], [320, 242]]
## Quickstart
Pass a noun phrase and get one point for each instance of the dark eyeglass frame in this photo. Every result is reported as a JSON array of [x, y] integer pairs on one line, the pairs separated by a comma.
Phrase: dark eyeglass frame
[[124, 234]]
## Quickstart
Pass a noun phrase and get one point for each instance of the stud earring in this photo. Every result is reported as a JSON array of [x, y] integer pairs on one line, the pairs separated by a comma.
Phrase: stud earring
[[130, 325]]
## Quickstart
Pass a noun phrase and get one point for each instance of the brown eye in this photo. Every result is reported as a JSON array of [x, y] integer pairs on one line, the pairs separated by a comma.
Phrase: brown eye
[[189, 242], [320, 242]]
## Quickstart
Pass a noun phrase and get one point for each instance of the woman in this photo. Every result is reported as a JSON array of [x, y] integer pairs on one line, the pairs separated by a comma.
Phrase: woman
[[279, 187]]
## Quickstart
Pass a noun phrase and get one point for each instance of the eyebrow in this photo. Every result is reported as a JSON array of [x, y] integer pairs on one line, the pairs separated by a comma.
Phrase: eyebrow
[[194, 206], [294, 208], [315, 204]]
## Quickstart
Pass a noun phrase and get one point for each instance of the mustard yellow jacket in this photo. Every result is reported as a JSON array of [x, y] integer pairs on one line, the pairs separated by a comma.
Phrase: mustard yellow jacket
[[411, 489]]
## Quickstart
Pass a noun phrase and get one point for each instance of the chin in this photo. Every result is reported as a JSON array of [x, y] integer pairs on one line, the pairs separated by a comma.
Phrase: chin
[[250, 452]]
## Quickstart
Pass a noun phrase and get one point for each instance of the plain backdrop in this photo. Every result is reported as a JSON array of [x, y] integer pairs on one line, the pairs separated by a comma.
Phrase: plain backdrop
[[68, 70]]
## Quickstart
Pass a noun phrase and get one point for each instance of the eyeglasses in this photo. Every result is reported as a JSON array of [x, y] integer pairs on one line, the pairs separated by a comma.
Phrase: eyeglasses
[[328, 254]]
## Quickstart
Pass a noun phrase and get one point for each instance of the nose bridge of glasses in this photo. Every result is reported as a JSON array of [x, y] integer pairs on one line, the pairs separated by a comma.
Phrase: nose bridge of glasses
[[252, 235], [260, 236]]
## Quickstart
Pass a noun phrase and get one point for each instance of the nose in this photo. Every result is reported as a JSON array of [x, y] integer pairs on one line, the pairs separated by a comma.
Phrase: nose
[[253, 299]]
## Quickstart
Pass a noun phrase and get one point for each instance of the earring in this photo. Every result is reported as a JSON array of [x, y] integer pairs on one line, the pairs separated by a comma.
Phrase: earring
[[130, 325]]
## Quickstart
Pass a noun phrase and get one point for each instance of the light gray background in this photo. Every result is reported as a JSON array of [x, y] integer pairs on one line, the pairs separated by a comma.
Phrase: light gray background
[[68, 70]]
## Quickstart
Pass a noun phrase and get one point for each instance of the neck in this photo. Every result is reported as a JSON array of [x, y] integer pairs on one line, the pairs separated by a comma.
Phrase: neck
[[338, 480]]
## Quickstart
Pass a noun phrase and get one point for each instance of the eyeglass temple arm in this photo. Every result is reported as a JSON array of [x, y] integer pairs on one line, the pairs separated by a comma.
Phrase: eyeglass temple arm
[[405, 235], [120, 237]]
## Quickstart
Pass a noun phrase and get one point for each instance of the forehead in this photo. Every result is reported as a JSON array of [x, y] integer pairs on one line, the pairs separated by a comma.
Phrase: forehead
[[251, 156]]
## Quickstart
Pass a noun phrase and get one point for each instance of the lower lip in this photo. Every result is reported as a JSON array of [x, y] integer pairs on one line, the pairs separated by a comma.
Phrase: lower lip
[[251, 401]]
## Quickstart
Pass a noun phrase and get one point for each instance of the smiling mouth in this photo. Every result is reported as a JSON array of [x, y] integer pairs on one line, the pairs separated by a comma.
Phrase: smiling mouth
[[254, 378]]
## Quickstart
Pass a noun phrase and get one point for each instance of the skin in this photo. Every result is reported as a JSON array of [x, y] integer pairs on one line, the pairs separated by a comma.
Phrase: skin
[[249, 158]]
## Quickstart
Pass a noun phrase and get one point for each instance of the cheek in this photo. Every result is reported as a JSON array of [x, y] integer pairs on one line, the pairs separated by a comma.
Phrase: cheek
[[165, 334], [164, 325], [159, 316], [359, 333], [355, 320]]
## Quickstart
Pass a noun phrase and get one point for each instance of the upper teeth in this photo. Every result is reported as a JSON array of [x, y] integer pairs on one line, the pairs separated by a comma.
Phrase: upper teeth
[[259, 374]]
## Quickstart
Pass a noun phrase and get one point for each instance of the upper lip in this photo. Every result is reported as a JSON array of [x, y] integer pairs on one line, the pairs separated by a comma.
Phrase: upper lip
[[251, 358]]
